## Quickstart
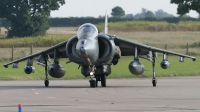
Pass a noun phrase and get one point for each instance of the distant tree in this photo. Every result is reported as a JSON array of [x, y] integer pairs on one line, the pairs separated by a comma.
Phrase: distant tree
[[117, 12], [149, 14], [144, 14], [129, 16], [185, 16], [28, 17], [0, 22], [100, 16], [144, 11], [162, 14], [184, 6], [0, 25], [141, 15]]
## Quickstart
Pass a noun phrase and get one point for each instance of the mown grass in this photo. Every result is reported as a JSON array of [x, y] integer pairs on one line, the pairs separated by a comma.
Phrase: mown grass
[[128, 26], [188, 68]]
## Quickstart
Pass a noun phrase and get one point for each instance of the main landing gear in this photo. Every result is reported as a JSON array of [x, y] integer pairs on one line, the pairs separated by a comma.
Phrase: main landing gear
[[94, 79], [101, 78]]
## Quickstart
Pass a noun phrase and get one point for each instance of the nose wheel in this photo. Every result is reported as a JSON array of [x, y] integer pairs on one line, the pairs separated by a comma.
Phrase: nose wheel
[[93, 83], [46, 83]]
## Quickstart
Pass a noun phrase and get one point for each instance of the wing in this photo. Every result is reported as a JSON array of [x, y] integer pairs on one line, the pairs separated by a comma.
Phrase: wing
[[127, 48], [50, 51]]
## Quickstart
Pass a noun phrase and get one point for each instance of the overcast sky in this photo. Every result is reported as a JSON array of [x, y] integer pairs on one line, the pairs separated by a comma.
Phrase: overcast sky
[[94, 8]]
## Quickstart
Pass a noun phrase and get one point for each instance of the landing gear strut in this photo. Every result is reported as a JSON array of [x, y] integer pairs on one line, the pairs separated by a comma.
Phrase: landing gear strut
[[95, 78], [154, 80], [46, 81], [101, 78], [92, 79]]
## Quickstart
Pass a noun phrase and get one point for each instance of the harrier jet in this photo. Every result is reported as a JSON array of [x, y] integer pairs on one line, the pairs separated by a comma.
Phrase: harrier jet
[[95, 52]]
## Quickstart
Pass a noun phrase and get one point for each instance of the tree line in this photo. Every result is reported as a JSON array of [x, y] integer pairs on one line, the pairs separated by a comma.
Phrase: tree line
[[77, 21], [31, 17]]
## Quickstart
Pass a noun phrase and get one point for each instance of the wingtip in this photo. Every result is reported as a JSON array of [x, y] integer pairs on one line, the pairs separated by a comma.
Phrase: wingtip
[[194, 59], [6, 66]]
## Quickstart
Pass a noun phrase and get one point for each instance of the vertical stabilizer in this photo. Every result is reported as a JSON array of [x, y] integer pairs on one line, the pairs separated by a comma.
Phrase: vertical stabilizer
[[106, 24]]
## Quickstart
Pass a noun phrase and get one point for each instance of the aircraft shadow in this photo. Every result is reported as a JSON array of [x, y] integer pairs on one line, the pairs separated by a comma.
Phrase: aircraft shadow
[[71, 87]]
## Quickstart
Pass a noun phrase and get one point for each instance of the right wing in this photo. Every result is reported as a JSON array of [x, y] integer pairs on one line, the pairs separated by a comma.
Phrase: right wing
[[127, 48], [50, 51]]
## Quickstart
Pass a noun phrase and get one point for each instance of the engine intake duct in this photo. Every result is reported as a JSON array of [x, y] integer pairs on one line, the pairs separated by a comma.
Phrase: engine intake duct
[[106, 50], [71, 50]]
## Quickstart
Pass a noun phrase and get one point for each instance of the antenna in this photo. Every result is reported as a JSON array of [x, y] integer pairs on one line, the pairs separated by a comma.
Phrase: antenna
[[106, 24]]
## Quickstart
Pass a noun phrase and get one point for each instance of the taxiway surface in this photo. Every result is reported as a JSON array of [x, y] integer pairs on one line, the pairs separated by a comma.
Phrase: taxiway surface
[[173, 94]]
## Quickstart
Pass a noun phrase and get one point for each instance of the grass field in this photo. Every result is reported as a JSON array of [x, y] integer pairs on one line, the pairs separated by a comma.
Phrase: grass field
[[176, 41], [153, 26], [119, 71]]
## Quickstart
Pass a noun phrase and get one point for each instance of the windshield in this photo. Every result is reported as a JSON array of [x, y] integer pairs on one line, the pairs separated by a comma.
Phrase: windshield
[[87, 31]]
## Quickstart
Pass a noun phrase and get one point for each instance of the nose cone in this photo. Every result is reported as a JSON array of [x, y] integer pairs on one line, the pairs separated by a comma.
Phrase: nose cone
[[83, 52], [82, 49], [87, 50]]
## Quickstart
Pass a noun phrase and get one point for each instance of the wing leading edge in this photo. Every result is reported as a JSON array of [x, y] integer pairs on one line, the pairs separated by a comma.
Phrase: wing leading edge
[[60, 47], [127, 46]]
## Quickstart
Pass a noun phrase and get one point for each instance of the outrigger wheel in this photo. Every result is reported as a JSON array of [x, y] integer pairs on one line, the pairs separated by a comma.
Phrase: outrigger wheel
[[46, 82], [154, 82]]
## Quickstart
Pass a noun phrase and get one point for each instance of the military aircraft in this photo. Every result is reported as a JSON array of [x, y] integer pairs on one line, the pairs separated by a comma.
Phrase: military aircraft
[[95, 52]]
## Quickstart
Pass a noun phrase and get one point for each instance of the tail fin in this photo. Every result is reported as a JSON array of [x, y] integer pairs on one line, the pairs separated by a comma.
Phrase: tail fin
[[106, 24]]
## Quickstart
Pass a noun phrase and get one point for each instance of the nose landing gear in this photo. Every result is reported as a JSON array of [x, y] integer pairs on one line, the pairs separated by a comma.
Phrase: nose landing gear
[[94, 79]]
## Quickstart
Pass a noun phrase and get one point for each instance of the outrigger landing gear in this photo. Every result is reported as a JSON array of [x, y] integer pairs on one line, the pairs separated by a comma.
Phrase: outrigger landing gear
[[154, 80], [46, 81]]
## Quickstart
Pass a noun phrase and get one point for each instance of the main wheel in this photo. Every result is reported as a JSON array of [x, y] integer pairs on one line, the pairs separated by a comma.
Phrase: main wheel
[[103, 80], [96, 83], [46, 82], [97, 79], [93, 83]]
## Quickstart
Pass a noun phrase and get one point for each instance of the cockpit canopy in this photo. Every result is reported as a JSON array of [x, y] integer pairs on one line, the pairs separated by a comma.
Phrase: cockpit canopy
[[87, 30]]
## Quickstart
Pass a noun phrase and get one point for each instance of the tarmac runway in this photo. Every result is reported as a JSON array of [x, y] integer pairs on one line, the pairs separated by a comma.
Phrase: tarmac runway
[[172, 94]]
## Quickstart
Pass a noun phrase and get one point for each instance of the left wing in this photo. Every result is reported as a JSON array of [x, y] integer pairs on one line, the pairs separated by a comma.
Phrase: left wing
[[50, 51], [127, 48]]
